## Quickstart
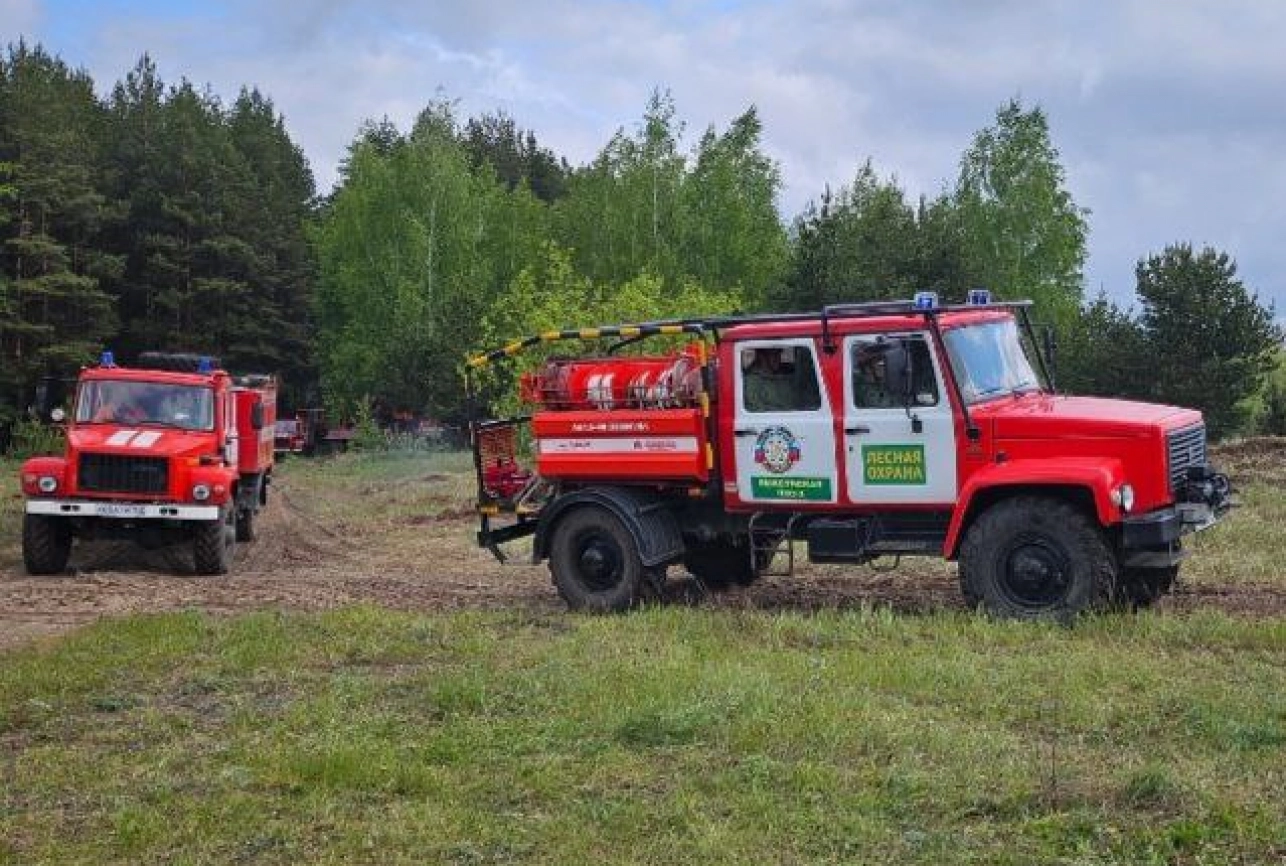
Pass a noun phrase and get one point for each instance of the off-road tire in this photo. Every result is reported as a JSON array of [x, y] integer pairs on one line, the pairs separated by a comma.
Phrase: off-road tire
[[46, 544], [214, 543], [720, 564], [1035, 557], [246, 524], [1142, 587], [594, 562]]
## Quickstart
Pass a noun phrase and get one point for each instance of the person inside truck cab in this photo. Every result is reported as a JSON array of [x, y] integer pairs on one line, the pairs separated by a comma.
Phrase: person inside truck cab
[[117, 405], [779, 380], [870, 385]]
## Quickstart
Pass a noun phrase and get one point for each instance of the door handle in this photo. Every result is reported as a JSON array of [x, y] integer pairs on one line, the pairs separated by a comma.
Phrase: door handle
[[745, 432], [854, 431]]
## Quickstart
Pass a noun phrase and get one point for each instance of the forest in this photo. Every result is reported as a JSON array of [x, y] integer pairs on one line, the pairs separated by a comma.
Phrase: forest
[[158, 216]]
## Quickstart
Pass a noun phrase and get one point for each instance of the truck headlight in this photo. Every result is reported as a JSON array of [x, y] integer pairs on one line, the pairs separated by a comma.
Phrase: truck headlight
[[1124, 497], [201, 492], [47, 484]]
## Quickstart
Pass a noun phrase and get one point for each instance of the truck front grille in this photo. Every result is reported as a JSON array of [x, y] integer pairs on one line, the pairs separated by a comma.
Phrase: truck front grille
[[115, 473], [1187, 448]]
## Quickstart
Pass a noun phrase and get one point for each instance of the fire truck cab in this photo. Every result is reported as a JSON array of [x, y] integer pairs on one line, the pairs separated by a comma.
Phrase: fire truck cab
[[863, 431]]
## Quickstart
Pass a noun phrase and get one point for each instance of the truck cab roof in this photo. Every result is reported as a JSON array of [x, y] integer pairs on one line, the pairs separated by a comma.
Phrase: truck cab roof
[[841, 325], [139, 374]]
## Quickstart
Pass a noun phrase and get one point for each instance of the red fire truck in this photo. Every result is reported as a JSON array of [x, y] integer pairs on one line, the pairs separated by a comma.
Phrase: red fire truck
[[862, 431], [172, 449]]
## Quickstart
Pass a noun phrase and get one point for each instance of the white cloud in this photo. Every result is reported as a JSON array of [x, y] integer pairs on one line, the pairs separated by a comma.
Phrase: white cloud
[[1166, 114], [20, 17]]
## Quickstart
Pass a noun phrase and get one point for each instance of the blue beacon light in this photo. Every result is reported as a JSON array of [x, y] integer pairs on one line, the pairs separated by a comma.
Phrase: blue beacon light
[[925, 300], [979, 297], [107, 360]]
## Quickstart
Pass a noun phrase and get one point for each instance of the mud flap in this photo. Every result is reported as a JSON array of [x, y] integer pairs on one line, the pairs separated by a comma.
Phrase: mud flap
[[648, 519]]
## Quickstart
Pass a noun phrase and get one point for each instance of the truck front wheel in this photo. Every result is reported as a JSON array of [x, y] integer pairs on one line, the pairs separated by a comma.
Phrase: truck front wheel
[[46, 544], [594, 562], [214, 542], [1034, 557]]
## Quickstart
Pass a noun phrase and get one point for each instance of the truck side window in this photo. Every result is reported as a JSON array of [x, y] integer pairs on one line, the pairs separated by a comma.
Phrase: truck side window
[[780, 380], [880, 364]]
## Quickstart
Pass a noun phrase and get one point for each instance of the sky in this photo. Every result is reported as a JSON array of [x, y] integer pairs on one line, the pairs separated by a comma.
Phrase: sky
[[1169, 116]]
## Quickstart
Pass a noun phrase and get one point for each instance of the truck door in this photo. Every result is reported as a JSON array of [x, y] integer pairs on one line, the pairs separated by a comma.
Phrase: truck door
[[784, 431], [897, 448], [231, 448]]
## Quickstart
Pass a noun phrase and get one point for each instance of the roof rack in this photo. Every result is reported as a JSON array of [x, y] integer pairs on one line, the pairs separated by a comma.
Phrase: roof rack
[[713, 324]]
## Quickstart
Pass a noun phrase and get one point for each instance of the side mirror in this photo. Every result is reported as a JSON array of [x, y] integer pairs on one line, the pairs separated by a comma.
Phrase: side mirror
[[256, 416], [57, 415], [897, 373]]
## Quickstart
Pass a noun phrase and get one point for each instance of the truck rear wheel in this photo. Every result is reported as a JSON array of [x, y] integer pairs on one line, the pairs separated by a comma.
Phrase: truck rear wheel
[[595, 562], [214, 542], [46, 544], [1034, 557], [718, 564]]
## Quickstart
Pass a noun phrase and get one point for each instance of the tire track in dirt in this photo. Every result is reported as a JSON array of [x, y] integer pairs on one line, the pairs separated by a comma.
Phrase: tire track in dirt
[[428, 562]]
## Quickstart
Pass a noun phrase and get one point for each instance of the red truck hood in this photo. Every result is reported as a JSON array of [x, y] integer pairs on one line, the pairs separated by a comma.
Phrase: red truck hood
[[1042, 416], [140, 441]]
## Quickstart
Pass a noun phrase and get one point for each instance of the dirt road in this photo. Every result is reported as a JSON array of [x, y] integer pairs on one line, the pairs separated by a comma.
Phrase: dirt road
[[303, 561]]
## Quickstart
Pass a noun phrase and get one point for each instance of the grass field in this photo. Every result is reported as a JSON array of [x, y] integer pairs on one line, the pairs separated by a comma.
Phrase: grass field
[[671, 735]]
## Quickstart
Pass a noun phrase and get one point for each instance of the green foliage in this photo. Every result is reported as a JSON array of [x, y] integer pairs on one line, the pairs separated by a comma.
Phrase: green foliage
[[858, 245], [214, 202], [1220, 341], [515, 156], [30, 438], [732, 237], [642, 207], [410, 249], [1272, 420], [53, 310], [551, 296], [1106, 352], [1022, 235], [367, 435]]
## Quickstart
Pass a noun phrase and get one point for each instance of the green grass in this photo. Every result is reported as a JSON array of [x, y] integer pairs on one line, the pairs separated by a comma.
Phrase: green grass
[[667, 736], [10, 512], [391, 487], [1246, 548]]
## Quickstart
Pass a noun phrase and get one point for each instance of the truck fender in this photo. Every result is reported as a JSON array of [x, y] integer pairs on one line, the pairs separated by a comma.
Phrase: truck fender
[[37, 467], [221, 480], [1095, 475], [648, 519]]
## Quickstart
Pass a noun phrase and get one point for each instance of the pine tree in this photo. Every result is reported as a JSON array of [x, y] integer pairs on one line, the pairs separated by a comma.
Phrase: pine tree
[[1218, 342], [53, 311]]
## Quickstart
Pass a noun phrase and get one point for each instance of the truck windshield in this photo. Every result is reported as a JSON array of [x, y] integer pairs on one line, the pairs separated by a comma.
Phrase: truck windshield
[[187, 407], [989, 360]]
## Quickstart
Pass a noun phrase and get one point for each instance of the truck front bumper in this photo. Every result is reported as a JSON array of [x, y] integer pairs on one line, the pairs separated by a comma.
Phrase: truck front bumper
[[121, 510], [1151, 540]]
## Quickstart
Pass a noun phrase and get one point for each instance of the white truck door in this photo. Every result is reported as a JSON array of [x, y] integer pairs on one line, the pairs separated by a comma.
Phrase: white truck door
[[783, 427], [896, 451]]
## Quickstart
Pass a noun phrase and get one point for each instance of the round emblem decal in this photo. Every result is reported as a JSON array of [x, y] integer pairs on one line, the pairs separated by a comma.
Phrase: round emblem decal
[[777, 450]]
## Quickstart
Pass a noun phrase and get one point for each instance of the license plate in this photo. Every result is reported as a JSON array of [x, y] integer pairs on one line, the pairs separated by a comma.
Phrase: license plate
[[120, 509]]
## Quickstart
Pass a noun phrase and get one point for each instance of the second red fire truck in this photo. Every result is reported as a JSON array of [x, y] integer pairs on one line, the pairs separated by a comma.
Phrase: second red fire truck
[[171, 449]]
